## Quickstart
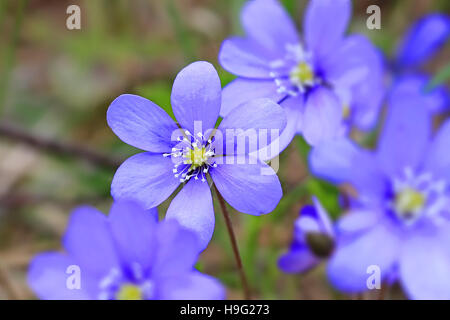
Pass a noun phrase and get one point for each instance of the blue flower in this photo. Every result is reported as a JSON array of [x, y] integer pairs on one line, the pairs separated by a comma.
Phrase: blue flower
[[313, 240], [400, 220], [325, 82], [188, 155], [421, 42], [127, 255]]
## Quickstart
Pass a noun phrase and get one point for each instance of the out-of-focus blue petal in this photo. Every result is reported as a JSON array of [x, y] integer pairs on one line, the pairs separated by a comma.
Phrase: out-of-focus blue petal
[[405, 136], [425, 266], [321, 36], [252, 126], [178, 249], [293, 107], [298, 260], [322, 116], [89, 241], [248, 185], [438, 156], [424, 38], [192, 286], [350, 63], [340, 161], [357, 220], [196, 96], [141, 123], [48, 276], [348, 267], [437, 100], [269, 24], [367, 95], [244, 58], [313, 219], [146, 178], [243, 90], [325, 223], [193, 209], [133, 230]]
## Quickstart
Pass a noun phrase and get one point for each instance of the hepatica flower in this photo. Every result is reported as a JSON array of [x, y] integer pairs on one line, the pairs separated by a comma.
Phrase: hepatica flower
[[401, 219], [189, 155], [324, 80], [125, 256], [313, 240], [420, 43]]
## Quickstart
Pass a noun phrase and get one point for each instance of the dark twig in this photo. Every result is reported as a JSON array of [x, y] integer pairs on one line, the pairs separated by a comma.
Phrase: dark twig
[[15, 133], [234, 245]]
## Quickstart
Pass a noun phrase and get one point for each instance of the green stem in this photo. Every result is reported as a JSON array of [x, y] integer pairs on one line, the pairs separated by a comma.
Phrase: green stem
[[234, 246]]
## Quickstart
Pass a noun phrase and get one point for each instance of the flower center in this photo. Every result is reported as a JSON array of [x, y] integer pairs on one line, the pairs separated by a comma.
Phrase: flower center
[[302, 74], [192, 157], [409, 202], [419, 195], [196, 157], [129, 291], [294, 73]]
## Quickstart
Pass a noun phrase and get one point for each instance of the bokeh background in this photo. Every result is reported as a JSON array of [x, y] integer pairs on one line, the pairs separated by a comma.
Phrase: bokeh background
[[57, 152]]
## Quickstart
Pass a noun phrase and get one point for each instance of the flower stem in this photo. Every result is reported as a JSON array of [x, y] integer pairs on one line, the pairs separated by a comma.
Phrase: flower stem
[[234, 245]]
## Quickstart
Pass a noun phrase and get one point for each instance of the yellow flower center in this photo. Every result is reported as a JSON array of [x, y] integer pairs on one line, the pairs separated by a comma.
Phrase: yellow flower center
[[409, 201], [345, 111], [302, 74], [196, 157], [129, 292]]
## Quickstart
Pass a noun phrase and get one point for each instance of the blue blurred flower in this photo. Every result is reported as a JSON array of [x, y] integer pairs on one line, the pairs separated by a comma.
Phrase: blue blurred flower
[[127, 255], [325, 82], [186, 156], [313, 240], [421, 42], [400, 221]]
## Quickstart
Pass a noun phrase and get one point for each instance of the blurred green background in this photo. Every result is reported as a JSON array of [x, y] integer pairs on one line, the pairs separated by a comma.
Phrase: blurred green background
[[56, 85]]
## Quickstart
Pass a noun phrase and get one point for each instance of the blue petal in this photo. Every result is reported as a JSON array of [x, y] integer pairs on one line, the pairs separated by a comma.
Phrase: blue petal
[[243, 90], [348, 267], [340, 161], [356, 68], [245, 58], [425, 266], [193, 209], [141, 123], [191, 286], [297, 261], [351, 62], [424, 38], [146, 178], [437, 100], [133, 229], [322, 116], [196, 97], [48, 275], [357, 220], [89, 241], [405, 136], [251, 126], [256, 20], [178, 249], [438, 156], [321, 36], [293, 108], [248, 185]]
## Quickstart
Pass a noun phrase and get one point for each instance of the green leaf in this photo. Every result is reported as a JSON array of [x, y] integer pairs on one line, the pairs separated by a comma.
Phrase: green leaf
[[440, 78]]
